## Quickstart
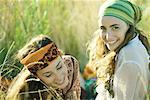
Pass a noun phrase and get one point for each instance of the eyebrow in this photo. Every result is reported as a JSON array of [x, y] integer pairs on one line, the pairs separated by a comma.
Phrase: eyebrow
[[58, 64], [111, 25], [114, 25]]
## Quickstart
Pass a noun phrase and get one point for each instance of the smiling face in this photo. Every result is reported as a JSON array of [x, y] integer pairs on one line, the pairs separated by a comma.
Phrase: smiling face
[[113, 31], [55, 74]]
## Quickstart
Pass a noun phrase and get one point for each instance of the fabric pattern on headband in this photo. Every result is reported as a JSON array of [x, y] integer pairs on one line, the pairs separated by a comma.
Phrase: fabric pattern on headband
[[52, 53]]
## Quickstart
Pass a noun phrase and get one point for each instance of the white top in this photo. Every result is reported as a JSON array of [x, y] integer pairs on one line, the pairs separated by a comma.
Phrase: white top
[[132, 74]]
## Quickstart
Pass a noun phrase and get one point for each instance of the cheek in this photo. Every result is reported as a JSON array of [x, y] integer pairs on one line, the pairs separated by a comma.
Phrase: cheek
[[64, 70], [122, 34], [102, 35], [124, 30], [46, 79]]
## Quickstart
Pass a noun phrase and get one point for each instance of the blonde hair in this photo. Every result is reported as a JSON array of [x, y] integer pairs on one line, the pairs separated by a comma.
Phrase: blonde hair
[[100, 60], [103, 60]]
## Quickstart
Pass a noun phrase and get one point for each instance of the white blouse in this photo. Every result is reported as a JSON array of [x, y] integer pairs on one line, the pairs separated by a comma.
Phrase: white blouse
[[132, 74]]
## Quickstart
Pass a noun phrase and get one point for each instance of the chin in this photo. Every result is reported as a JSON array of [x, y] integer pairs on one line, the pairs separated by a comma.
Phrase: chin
[[64, 85], [112, 47], [66, 82]]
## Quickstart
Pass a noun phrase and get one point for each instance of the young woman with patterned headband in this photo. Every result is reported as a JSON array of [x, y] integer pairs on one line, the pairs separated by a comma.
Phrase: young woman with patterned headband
[[47, 74], [119, 53]]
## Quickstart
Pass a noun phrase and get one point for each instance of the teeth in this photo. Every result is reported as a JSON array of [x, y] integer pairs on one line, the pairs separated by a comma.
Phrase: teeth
[[111, 42]]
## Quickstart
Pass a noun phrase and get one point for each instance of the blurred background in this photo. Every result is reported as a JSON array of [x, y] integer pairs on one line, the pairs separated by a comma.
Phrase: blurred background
[[70, 23]]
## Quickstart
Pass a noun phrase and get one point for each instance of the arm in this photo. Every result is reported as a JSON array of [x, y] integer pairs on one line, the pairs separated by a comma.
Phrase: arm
[[127, 82]]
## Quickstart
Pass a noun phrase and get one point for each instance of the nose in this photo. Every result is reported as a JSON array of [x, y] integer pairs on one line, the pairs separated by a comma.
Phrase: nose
[[57, 77], [108, 36]]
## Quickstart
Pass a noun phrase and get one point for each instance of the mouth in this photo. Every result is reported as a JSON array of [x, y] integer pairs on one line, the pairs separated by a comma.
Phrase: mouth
[[111, 42], [60, 83]]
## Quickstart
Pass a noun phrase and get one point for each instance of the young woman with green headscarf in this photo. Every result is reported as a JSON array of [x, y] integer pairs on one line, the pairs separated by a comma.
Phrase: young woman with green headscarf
[[120, 53]]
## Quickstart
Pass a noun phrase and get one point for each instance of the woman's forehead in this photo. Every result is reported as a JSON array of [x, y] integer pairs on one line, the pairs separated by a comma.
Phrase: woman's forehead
[[109, 21]]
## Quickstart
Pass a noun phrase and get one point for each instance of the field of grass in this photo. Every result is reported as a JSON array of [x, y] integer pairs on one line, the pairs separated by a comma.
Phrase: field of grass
[[69, 23]]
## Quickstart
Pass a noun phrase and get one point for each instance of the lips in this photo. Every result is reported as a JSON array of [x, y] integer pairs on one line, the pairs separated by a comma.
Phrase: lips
[[111, 42], [60, 83]]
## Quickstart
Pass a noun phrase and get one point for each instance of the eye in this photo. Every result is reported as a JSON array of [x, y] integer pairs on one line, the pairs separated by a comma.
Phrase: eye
[[102, 28], [48, 74], [115, 28]]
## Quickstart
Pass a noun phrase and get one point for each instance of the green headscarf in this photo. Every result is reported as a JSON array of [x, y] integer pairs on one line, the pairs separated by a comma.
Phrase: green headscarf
[[122, 9], [129, 13]]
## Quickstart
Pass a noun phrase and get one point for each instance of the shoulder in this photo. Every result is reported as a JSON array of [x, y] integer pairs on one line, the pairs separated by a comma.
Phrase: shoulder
[[134, 51], [131, 47], [134, 46]]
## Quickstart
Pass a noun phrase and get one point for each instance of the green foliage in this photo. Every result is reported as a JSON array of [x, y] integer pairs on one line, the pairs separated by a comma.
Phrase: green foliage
[[8, 67], [2, 95], [70, 24]]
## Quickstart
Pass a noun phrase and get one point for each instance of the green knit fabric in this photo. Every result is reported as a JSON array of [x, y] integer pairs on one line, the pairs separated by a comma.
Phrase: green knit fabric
[[123, 10]]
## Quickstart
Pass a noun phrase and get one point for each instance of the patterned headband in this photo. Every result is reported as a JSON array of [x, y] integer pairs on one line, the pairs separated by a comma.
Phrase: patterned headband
[[38, 60]]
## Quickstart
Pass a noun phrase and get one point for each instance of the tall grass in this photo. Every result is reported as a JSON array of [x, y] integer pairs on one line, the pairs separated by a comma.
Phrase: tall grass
[[69, 23]]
